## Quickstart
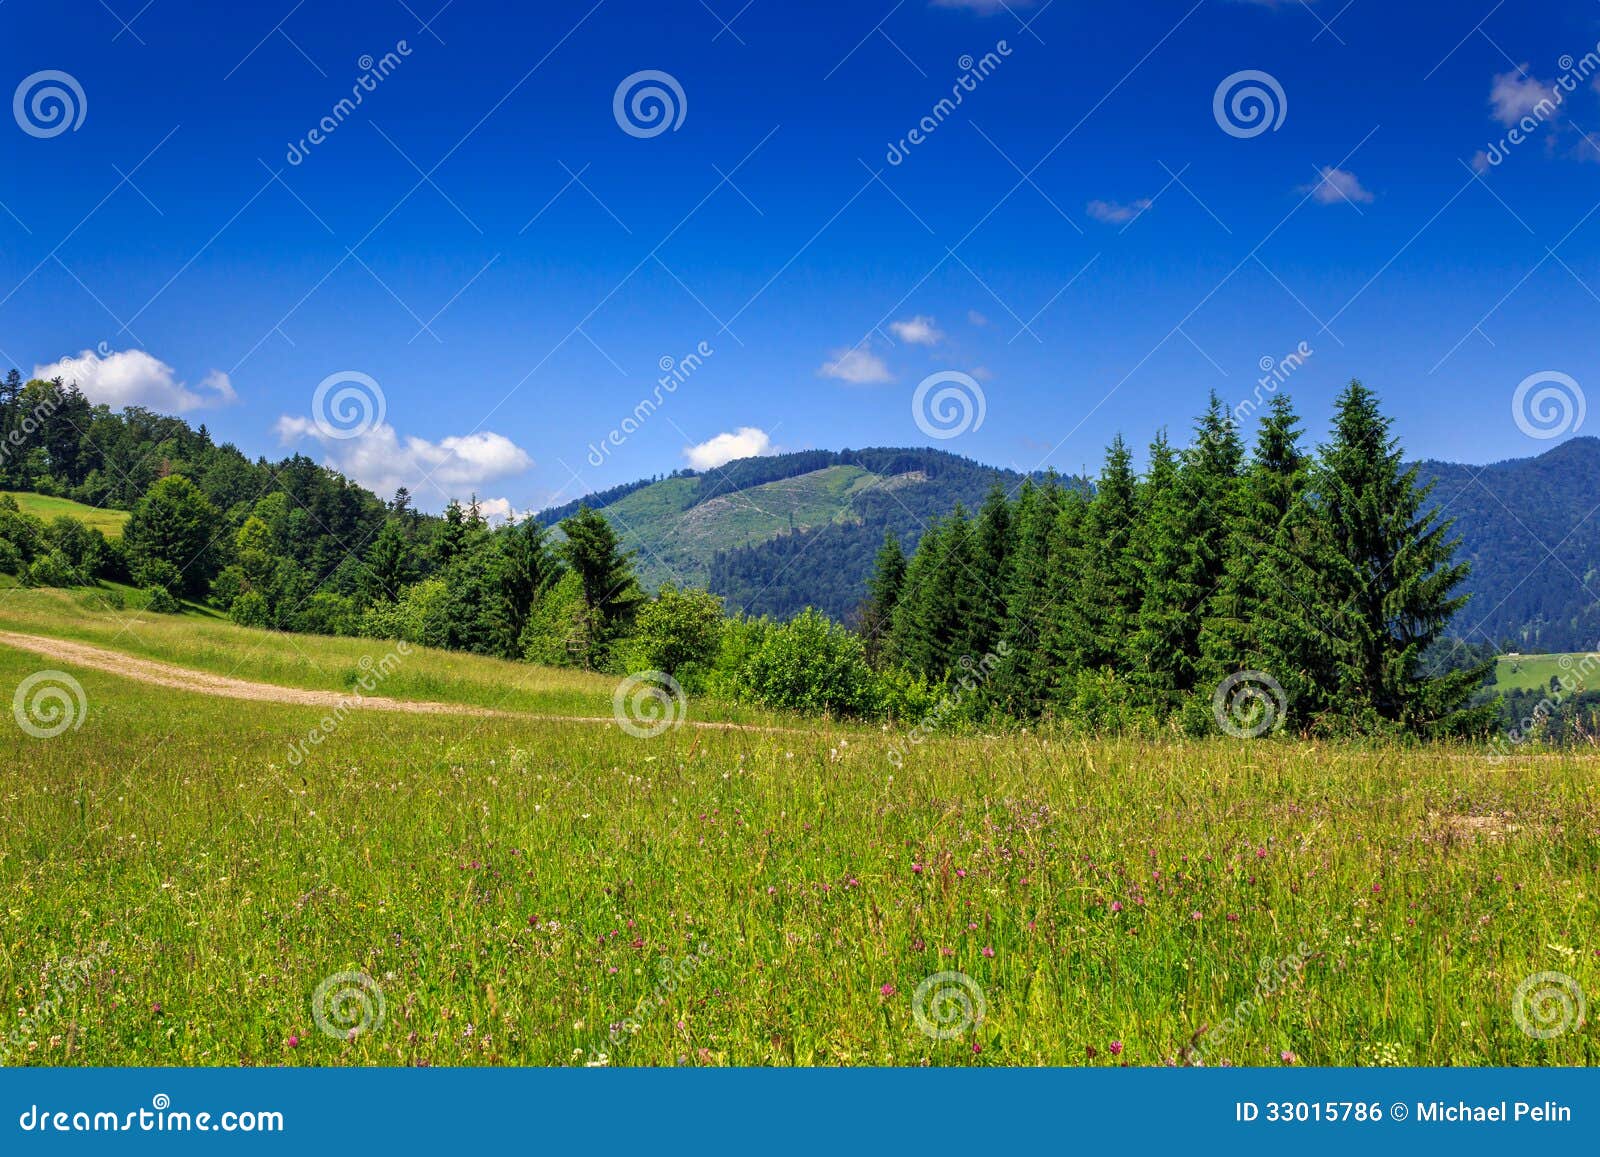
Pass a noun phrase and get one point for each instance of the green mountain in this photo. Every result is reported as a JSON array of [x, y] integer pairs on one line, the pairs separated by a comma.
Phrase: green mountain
[[774, 535]]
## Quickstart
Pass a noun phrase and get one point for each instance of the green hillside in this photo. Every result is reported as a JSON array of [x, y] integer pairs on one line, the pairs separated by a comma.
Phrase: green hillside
[[107, 522], [773, 535], [1534, 672]]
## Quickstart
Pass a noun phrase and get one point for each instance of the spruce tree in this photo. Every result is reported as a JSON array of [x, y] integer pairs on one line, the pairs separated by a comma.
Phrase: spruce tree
[[1249, 620], [876, 617], [1387, 572], [1096, 598], [605, 574]]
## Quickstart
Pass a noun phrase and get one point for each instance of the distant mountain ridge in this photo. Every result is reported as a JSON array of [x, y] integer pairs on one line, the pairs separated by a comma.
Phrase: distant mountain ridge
[[774, 535]]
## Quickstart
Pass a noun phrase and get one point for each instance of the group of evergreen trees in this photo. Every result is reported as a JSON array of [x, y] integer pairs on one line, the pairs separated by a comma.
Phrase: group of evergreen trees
[[1129, 602], [1118, 603]]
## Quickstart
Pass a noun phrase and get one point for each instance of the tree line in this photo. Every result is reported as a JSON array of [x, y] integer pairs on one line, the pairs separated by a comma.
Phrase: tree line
[[1113, 606]]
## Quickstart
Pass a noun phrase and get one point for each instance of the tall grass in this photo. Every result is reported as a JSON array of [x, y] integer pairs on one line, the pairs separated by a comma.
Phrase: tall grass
[[526, 892]]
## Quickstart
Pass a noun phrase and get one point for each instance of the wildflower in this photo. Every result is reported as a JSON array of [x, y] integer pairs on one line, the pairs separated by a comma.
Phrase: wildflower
[[1287, 1057], [771, 891], [1377, 887], [988, 951], [1115, 1048], [916, 868], [976, 1048], [1194, 915], [961, 873], [887, 990], [1116, 905], [294, 1041]]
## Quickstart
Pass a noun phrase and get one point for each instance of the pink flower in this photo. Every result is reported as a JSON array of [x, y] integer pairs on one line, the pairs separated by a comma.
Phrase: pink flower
[[771, 891], [1194, 915], [294, 1041], [917, 868], [888, 990], [1261, 853], [1116, 905], [1115, 1048], [961, 873], [989, 952], [1377, 887], [976, 1048], [1287, 1057]]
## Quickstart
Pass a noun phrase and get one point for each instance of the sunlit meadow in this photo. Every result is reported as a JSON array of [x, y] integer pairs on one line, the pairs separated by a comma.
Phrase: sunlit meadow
[[173, 890]]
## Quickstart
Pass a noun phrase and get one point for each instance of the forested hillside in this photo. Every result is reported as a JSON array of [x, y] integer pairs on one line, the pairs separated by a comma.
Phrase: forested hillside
[[1529, 529]]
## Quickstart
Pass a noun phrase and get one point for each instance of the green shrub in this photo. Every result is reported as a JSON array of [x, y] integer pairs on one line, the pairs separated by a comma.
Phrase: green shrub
[[160, 601], [806, 664], [158, 572], [678, 632], [560, 631], [420, 615], [250, 609], [10, 557], [53, 570]]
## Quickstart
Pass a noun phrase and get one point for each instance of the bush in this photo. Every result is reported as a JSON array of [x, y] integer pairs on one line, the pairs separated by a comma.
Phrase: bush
[[10, 557], [420, 615], [250, 609], [328, 613], [158, 572], [159, 600], [678, 632], [560, 631], [806, 664], [53, 570]]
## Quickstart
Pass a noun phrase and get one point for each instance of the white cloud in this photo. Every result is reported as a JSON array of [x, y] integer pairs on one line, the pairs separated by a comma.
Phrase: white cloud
[[1114, 213], [1481, 162], [453, 467], [976, 318], [1338, 185], [498, 510], [1514, 95], [746, 442], [134, 378], [859, 367], [918, 330]]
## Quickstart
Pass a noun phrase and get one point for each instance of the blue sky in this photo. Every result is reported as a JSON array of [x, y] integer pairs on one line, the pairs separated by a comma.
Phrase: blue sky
[[484, 240]]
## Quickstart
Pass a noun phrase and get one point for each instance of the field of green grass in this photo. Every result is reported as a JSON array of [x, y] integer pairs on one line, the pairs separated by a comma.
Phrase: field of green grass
[[1534, 672], [176, 889], [107, 522]]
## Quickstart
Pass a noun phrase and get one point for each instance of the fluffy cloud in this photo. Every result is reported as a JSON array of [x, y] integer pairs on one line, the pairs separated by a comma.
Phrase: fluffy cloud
[[1514, 95], [859, 367], [435, 472], [1338, 185], [1113, 213], [134, 378], [745, 442], [498, 510], [918, 330]]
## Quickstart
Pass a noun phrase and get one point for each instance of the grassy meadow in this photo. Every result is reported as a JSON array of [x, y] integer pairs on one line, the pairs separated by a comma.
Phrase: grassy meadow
[[175, 889], [107, 522]]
